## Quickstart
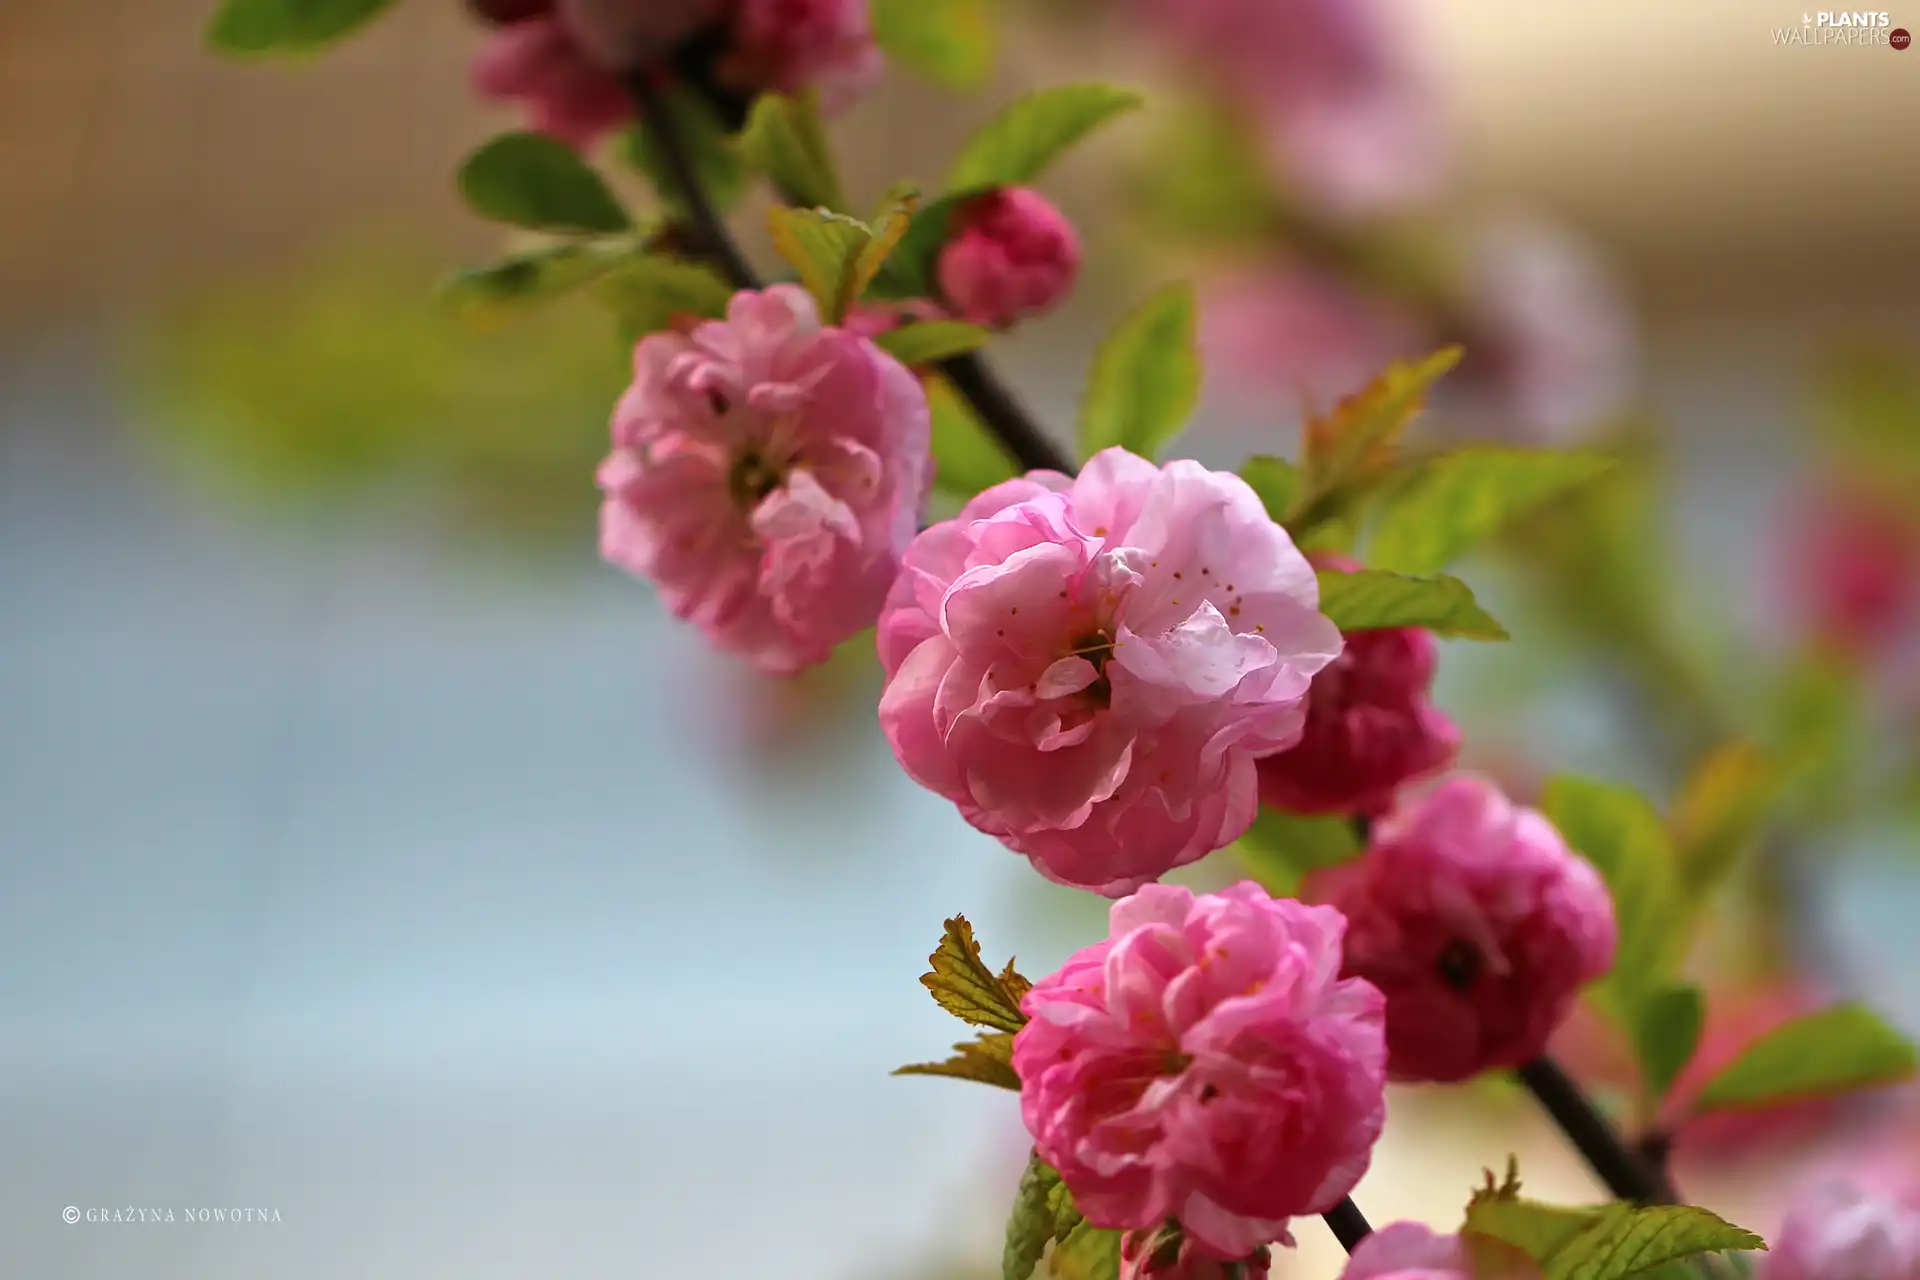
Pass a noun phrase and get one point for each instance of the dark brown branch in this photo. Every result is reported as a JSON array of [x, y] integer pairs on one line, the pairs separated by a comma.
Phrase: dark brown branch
[[666, 138], [1349, 1225]]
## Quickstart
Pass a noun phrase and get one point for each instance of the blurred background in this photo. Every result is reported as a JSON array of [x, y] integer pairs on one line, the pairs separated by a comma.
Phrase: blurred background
[[373, 855]]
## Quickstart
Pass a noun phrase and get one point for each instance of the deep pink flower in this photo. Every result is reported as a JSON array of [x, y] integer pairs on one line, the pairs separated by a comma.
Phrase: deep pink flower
[[1849, 1228], [1088, 668], [624, 34], [1370, 728], [541, 66], [1011, 255], [790, 45], [1411, 1251], [1855, 567], [1478, 923], [767, 473], [1169, 1254], [1351, 123], [1207, 1063]]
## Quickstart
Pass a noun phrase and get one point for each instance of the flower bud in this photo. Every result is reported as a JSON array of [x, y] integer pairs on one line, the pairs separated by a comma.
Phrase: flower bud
[[789, 45], [1478, 923], [1011, 255], [538, 64], [1855, 568]]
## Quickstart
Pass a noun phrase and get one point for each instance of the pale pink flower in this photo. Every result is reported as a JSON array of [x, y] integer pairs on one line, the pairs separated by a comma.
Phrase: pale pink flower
[[1089, 667], [1478, 923], [1011, 256], [1207, 1063], [539, 65], [1351, 123], [1849, 1228], [791, 45], [767, 473], [1854, 567], [626, 34], [1411, 1251], [1370, 728], [1170, 1254]]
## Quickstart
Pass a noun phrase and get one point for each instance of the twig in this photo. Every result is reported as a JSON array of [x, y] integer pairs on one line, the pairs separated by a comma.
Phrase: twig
[[1349, 1225], [1598, 1142], [658, 122]]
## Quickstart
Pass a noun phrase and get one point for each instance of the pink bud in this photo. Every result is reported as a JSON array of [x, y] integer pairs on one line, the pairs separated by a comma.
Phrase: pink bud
[[1856, 567], [539, 64], [1370, 728], [624, 35], [767, 473], [1011, 255], [791, 45], [1477, 922], [1205, 1062]]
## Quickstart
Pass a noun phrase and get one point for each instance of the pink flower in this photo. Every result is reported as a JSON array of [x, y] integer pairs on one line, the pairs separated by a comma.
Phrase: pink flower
[[767, 473], [1206, 1062], [1849, 1228], [1351, 124], [1370, 728], [1089, 668], [1478, 923], [624, 34], [871, 319], [539, 64], [1410, 1251], [1855, 567], [1168, 1254], [1011, 255], [790, 45]]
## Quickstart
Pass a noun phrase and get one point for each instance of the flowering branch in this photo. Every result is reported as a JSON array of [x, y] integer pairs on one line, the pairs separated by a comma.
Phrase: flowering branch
[[1626, 1175]]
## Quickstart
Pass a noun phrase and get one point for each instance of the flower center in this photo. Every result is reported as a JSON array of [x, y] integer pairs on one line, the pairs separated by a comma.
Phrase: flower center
[[1097, 647], [1459, 964], [753, 477]]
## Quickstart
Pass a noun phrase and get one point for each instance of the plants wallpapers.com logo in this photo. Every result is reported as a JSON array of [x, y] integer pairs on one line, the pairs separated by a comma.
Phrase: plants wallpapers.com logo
[[1859, 28]]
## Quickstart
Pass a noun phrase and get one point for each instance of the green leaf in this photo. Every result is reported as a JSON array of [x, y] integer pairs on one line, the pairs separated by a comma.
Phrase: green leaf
[[928, 341], [1015, 146], [1281, 848], [784, 140], [1837, 1050], [909, 270], [719, 160], [889, 227], [967, 459], [1356, 442], [247, 28], [1451, 503], [1278, 483], [1145, 378], [1043, 1214], [965, 987], [1088, 1253], [1719, 814], [950, 42], [523, 280], [1374, 600], [651, 292], [987, 1058], [1616, 830], [1666, 1034], [825, 248], [531, 180]]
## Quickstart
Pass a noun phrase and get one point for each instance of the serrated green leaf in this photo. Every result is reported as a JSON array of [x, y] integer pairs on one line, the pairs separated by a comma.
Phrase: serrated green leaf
[[889, 227], [925, 342], [987, 1059], [1719, 814], [1837, 1050], [526, 279], [784, 140], [1665, 1034], [950, 42], [1035, 1221], [1145, 378], [1453, 502], [967, 458], [1615, 829], [247, 28], [1016, 145], [1358, 439], [965, 987], [824, 247], [1629, 1240], [1278, 482], [651, 292], [1374, 600], [1281, 848], [533, 181], [1087, 1253], [718, 158]]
